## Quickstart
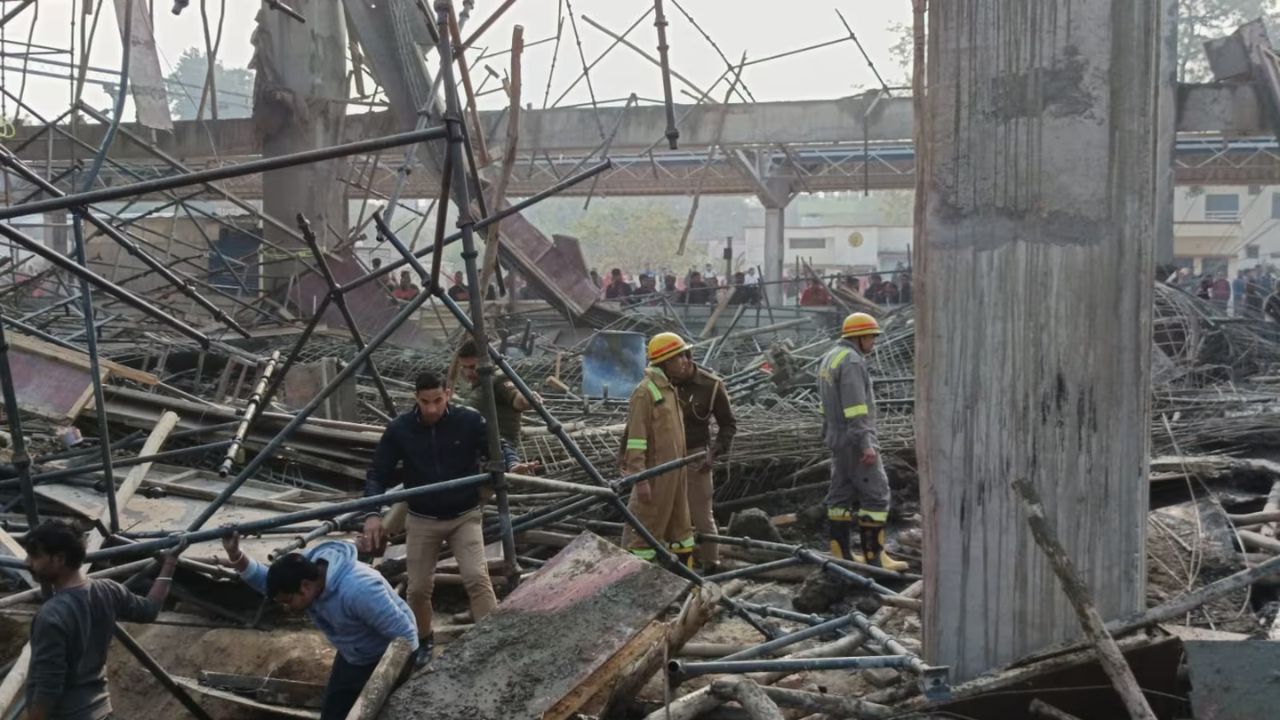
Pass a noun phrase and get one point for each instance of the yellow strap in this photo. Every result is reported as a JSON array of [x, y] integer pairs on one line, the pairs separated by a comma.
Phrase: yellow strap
[[637, 444], [839, 358], [873, 517], [839, 513], [644, 553], [854, 411]]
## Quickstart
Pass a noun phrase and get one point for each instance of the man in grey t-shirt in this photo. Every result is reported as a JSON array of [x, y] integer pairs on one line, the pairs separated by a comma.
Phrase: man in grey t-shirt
[[72, 630]]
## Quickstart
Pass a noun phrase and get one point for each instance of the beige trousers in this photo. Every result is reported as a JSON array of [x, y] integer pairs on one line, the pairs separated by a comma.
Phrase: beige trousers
[[701, 491], [423, 539]]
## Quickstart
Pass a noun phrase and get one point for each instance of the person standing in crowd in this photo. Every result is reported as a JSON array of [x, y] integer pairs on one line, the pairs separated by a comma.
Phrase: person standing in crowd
[[405, 289], [744, 293], [696, 292], [458, 291], [1220, 291], [618, 289], [71, 631], [815, 294], [1237, 292]]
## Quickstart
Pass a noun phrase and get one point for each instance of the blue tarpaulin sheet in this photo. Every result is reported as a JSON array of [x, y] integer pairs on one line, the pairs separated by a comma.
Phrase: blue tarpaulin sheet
[[613, 360]]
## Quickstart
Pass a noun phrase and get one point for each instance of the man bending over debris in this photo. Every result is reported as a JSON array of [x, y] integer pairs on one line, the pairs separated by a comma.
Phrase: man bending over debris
[[437, 441], [510, 404], [72, 630], [351, 603], [849, 430], [655, 435]]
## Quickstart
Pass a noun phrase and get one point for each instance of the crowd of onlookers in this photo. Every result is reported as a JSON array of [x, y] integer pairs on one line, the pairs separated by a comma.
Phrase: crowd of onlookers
[[705, 287], [1253, 293], [695, 287]]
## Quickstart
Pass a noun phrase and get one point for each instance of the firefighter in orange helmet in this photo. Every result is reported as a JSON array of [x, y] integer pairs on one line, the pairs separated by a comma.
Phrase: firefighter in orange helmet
[[859, 485], [654, 435]]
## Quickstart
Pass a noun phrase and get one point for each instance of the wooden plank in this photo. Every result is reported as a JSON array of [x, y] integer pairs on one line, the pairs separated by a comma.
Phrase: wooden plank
[[133, 480], [604, 676], [78, 359], [555, 634], [281, 710], [382, 682], [268, 690], [10, 546]]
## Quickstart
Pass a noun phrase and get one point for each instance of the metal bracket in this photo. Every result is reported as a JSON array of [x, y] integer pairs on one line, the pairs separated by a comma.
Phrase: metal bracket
[[935, 682]]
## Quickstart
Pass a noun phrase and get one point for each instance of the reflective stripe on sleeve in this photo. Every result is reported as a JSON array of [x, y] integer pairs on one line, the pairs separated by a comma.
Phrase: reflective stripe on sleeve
[[854, 411], [637, 444]]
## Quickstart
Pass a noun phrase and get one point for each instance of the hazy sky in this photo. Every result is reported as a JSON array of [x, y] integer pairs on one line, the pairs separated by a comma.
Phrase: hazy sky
[[737, 26]]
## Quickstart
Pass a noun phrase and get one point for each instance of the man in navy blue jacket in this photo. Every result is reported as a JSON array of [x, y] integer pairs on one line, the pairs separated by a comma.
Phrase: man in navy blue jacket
[[437, 441]]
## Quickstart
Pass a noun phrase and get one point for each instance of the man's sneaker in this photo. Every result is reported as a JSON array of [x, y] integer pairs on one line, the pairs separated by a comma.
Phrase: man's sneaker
[[423, 656]]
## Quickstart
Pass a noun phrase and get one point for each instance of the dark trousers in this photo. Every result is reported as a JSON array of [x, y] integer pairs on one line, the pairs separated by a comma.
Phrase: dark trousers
[[346, 680]]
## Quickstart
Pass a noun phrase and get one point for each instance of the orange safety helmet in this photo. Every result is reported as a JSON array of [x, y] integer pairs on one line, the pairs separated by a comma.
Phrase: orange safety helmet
[[665, 346], [859, 324]]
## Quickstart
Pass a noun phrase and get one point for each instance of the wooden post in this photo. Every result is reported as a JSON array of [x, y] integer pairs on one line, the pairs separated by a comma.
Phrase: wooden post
[[1077, 591], [1034, 269], [384, 679], [499, 196], [1042, 709]]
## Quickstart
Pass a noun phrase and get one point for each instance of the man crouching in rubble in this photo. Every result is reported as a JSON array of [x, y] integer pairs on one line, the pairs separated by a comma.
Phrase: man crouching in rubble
[[350, 602]]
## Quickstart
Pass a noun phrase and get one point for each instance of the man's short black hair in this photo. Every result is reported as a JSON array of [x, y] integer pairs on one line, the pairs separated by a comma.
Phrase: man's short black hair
[[286, 574], [468, 349], [55, 537], [427, 380]]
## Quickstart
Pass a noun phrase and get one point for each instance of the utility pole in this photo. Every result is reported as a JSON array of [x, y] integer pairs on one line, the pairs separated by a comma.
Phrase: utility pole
[[1034, 273]]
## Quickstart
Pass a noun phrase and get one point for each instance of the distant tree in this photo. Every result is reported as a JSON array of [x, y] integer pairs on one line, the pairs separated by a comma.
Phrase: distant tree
[[632, 235], [1198, 21], [185, 83], [1201, 20]]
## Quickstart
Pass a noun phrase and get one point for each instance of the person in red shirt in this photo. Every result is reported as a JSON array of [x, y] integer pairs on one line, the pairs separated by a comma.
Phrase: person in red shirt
[[815, 294]]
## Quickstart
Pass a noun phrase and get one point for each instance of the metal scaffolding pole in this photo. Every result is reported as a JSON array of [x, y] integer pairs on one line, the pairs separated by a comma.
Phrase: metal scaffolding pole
[[466, 225], [21, 460], [340, 300]]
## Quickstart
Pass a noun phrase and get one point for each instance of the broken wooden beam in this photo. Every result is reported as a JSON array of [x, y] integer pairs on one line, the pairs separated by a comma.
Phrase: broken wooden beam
[[386, 676], [1042, 709], [749, 695], [1078, 592]]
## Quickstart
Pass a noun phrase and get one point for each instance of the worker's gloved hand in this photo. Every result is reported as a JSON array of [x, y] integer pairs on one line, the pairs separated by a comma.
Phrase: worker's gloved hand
[[374, 540], [869, 456], [644, 492]]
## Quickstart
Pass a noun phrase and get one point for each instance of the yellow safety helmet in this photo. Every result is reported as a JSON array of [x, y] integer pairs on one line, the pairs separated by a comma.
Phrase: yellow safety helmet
[[665, 346], [859, 324]]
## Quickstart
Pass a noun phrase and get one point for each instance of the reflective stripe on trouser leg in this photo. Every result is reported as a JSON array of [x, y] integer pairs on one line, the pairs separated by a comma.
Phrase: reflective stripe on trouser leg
[[683, 550]]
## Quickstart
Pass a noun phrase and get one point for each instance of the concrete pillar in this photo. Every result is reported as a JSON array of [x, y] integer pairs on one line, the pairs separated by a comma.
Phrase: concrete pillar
[[1033, 328], [774, 251], [301, 67]]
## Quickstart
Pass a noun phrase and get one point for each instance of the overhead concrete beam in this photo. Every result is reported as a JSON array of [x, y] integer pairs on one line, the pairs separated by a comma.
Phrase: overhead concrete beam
[[1227, 108]]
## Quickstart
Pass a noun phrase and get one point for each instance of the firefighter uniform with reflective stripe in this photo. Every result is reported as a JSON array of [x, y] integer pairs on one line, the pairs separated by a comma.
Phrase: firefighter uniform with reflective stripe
[[848, 414], [654, 435]]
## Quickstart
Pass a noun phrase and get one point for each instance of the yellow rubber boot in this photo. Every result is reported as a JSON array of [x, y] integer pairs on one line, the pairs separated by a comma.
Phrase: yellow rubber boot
[[872, 535]]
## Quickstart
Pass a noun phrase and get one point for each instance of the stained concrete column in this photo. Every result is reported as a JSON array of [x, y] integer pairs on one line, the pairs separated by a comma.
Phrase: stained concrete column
[[774, 251], [1034, 275], [301, 72]]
